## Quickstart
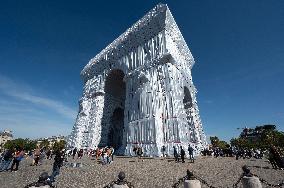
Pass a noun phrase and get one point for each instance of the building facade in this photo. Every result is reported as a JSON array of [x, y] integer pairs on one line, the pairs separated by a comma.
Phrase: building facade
[[138, 91], [51, 140], [4, 137]]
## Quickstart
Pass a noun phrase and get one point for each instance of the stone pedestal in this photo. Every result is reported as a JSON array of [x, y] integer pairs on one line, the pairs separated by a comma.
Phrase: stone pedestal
[[192, 184], [251, 182], [119, 186]]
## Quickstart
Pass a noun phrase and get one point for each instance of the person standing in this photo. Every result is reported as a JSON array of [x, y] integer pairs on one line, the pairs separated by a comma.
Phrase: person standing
[[190, 152], [74, 152], [163, 150], [104, 156], [48, 154], [139, 153], [108, 152], [42, 155], [18, 156], [112, 152], [135, 148], [98, 153], [182, 154], [80, 153], [36, 156], [176, 155], [58, 163], [238, 153], [7, 159]]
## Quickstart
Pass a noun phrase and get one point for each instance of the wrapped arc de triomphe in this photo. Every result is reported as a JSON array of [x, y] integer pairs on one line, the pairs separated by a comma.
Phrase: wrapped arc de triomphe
[[138, 91]]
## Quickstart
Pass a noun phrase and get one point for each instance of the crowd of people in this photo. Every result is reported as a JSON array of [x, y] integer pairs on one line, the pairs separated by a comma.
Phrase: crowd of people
[[103, 155], [11, 158], [272, 154], [182, 154], [233, 152]]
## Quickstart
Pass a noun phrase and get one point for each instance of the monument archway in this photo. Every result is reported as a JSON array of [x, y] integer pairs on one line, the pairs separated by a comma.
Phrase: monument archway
[[139, 91], [113, 114]]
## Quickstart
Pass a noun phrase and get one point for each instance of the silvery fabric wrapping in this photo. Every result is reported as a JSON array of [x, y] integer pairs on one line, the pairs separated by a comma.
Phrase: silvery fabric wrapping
[[159, 104]]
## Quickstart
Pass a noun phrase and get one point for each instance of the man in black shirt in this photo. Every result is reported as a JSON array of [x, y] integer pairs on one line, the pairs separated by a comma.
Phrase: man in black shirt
[[176, 155], [190, 152], [182, 154], [58, 162], [74, 153]]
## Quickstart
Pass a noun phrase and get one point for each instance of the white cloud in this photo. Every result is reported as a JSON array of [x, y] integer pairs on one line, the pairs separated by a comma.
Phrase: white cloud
[[26, 125], [29, 114], [26, 93]]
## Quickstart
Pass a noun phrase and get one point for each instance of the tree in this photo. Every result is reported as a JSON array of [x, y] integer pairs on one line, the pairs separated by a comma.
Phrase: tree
[[223, 145], [216, 142], [269, 127], [20, 143], [44, 144], [234, 142], [59, 145], [260, 137]]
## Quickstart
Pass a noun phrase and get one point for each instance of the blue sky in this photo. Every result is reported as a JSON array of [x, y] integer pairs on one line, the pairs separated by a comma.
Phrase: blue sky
[[238, 47]]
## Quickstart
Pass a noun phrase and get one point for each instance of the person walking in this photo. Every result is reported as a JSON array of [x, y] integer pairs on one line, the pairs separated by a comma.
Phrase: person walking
[[190, 152], [108, 152], [104, 156], [58, 163], [139, 153], [112, 153], [163, 150], [182, 154], [42, 155], [48, 154], [74, 152], [80, 153], [98, 153], [176, 155], [18, 156], [135, 148], [36, 156], [6, 161]]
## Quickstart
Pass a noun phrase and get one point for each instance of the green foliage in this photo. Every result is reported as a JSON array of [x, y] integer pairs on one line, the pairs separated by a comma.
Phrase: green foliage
[[223, 145], [44, 144], [59, 145], [260, 137], [18, 143], [216, 142]]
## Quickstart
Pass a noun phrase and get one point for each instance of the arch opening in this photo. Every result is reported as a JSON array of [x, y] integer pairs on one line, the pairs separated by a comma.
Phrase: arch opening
[[114, 85], [112, 133], [115, 134], [187, 100]]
